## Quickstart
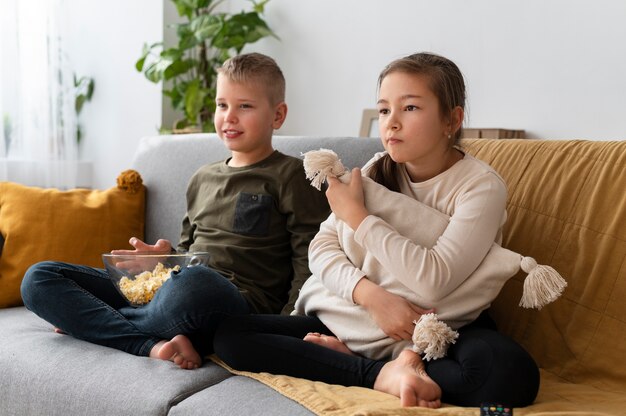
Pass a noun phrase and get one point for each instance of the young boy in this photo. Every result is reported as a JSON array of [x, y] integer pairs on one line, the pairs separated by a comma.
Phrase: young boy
[[255, 213]]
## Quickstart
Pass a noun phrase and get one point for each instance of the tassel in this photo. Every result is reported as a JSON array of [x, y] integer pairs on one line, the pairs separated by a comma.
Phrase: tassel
[[432, 337], [319, 164], [542, 285]]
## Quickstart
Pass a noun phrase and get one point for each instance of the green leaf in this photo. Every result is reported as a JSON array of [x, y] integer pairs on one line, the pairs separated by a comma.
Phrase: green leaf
[[193, 100], [90, 88], [171, 54], [202, 4], [175, 96], [206, 26], [259, 7], [80, 100], [146, 50], [139, 63], [155, 70], [184, 8], [178, 67], [241, 29], [208, 127], [186, 36], [181, 124]]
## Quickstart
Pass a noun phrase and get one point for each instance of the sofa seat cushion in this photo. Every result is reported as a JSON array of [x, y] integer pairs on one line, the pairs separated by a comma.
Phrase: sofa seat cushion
[[44, 373], [74, 226], [239, 396]]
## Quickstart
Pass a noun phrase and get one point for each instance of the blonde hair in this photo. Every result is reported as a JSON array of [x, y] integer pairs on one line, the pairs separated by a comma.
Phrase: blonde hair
[[256, 68], [445, 80]]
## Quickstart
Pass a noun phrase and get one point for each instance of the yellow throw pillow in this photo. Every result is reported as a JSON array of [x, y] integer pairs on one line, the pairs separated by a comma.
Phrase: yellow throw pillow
[[74, 226]]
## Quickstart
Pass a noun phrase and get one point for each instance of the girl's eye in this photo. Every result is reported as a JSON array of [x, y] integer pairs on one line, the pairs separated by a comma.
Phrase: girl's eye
[[220, 105], [383, 111], [411, 108]]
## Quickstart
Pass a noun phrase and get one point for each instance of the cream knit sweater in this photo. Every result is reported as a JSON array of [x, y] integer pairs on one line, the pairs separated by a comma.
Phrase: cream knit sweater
[[472, 194]]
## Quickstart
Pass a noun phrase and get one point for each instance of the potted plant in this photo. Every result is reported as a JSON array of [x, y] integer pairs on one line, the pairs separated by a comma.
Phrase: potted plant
[[206, 38], [83, 91]]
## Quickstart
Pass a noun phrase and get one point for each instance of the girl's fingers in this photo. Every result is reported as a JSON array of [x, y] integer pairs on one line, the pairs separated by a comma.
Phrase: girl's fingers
[[355, 179], [332, 180]]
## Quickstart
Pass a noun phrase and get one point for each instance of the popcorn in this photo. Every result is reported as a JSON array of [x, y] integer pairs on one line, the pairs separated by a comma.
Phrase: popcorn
[[142, 288]]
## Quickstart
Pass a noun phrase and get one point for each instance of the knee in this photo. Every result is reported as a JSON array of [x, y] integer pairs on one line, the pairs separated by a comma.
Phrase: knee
[[31, 288], [499, 369], [202, 289], [518, 374]]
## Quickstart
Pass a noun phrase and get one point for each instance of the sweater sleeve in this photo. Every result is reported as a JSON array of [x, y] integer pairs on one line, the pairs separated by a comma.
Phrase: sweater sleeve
[[186, 235], [306, 208], [434, 273], [328, 261]]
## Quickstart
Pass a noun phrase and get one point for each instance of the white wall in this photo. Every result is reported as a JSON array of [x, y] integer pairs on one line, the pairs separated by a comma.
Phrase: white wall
[[554, 68], [105, 41]]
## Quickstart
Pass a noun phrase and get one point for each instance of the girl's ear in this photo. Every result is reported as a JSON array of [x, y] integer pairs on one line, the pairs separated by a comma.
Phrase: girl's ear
[[456, 119], [280, 114]]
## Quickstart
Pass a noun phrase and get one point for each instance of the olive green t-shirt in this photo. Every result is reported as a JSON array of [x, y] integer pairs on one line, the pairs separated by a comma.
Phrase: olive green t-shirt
[[256, 222]]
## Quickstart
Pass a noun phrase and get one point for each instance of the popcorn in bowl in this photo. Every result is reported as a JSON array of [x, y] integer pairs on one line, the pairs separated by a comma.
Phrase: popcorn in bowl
[[138, 277], [142, 288]]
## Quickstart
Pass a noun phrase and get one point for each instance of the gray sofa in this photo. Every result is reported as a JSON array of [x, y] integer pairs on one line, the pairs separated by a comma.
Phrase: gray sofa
[[43, 373]]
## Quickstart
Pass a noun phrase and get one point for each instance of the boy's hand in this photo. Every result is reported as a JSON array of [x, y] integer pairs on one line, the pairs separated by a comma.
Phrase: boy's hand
[[347, 200], [135, 266], [161, 246]]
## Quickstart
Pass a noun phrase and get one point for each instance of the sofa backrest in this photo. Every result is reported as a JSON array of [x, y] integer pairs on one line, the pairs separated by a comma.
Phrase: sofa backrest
[[166, 163], [567, 209]]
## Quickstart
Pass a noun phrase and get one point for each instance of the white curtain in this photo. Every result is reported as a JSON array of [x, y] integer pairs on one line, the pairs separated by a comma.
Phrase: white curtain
[[38, 146]]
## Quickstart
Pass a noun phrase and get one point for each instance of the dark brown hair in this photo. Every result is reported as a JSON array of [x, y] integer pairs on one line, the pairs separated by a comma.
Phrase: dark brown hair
[[445, 80], [258, 68]]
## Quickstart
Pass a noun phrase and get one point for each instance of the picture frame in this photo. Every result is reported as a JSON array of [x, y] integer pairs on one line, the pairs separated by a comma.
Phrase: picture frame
[[369, 123]]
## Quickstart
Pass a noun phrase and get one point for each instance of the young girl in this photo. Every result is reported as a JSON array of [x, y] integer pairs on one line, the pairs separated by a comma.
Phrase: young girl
[[421, 108]]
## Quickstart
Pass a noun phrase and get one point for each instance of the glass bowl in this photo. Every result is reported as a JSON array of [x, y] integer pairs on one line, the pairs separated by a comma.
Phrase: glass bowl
[[138, 276]]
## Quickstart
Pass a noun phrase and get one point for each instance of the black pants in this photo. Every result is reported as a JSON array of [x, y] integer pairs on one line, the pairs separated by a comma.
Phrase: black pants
[[483, 365]]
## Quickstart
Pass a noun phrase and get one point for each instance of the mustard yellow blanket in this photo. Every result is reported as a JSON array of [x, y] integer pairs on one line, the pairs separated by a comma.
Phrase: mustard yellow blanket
[[556, 398]]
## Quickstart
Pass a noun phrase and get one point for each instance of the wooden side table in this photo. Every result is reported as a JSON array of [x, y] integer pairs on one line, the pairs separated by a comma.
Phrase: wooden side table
[[492, 133]]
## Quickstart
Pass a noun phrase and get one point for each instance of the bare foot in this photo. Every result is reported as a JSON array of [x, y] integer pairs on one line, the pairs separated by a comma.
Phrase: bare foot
[[59, 331], [179, 350], [406, 378], [327, 341]]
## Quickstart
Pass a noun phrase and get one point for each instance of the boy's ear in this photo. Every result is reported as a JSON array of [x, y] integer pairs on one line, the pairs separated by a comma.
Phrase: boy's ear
[[280, 114]]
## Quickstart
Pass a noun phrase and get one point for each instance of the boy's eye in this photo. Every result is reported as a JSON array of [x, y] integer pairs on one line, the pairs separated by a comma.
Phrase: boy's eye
[[383, 111], [220, 105], [245, 106]]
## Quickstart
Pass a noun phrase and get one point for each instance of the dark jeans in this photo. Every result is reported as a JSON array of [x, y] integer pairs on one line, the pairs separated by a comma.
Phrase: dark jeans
[[83, 302], [483, 365]]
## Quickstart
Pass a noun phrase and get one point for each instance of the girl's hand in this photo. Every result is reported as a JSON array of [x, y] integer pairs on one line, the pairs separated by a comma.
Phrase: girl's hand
[[161, 246], [392, 313], [346, 200]]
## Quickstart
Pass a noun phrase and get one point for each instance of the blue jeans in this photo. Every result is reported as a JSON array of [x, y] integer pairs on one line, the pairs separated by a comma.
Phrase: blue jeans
[[83, 302]]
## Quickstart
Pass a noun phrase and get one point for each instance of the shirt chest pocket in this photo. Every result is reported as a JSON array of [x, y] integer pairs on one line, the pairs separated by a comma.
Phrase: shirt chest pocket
[[253, 214]]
